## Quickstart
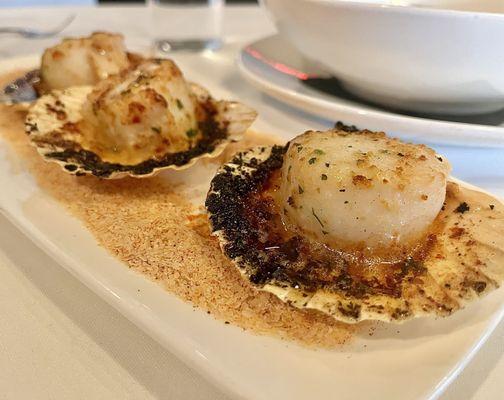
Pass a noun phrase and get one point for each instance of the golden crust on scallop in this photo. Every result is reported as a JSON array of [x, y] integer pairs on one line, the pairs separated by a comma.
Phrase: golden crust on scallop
[[134, 124], [459, 259], [337, 188]]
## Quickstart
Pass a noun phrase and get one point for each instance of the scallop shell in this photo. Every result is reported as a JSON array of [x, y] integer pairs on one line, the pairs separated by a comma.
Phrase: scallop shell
[[466, 262], [51, 125]]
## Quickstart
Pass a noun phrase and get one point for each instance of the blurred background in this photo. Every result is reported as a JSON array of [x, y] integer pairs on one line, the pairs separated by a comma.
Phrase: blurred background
[[18, 3]]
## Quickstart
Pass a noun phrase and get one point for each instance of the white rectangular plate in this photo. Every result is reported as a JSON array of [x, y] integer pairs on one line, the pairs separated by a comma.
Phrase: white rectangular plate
[[417, 363]]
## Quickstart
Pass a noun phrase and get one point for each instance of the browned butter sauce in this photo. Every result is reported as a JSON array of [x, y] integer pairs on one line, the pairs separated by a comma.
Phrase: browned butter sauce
[[315, 264]]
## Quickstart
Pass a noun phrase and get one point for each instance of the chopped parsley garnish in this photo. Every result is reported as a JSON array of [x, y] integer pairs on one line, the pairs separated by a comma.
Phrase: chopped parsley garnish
[[323, 177], [462, 208], [300, 189], [179, 104], [317, 218], [190, 133], [156, 129], [318, 152], [312, 160]]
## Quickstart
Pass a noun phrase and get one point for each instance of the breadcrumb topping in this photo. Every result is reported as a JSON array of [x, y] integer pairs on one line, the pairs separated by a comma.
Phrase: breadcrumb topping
[[151, 227]]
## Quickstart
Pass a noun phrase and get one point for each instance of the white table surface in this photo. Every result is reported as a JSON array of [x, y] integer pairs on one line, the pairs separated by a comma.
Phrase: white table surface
[[60, 341]]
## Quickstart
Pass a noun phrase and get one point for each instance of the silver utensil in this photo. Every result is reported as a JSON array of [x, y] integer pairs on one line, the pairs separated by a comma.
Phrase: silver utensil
[[35, 33]]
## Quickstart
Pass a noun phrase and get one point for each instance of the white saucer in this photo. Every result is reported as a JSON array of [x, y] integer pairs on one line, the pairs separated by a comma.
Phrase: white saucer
[[477, 131]]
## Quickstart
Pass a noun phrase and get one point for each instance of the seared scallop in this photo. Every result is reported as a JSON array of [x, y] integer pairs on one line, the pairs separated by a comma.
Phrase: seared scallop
[[366, 189], [148, 111], [357, 225], [83, 61], [135, 123], [74, 62]]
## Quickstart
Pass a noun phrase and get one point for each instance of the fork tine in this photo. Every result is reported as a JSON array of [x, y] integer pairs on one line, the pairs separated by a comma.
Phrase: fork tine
[[67, 21], [32, 34]]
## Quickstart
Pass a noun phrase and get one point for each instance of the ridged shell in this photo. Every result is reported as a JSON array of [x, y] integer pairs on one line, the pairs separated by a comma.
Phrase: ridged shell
[[51, 125], [466, 263]]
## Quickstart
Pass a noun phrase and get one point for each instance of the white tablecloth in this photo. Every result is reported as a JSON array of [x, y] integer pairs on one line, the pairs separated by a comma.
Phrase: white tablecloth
[[60, 341]]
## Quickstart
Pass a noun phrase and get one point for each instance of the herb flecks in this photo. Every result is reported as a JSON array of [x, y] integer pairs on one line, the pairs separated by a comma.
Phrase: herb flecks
[[318, 152], [180, 106], [312, 160], [317, 218], [156, 129], [462, 208], [190, 133], [300, 189], [323, 177]]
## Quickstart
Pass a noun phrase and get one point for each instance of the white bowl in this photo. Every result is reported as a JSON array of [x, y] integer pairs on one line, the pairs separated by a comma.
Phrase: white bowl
[[421, 59]]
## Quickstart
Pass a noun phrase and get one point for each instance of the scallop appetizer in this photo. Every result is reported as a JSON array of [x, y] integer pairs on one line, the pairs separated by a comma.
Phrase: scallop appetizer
[[83, 61], [357, 225], [134, 123], [73, 62]]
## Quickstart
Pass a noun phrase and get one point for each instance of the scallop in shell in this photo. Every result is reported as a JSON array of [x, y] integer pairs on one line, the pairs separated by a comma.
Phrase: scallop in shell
[[82, 61], [288, 225], [135, 123], [73, 62]]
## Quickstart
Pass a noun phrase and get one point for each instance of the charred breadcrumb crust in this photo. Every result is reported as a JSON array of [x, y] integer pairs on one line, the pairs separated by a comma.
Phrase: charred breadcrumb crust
[[78, 159], [226, 207], [341, 126]]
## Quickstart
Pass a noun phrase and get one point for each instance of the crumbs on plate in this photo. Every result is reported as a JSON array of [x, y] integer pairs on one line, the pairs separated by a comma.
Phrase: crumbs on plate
[[151, 227]]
